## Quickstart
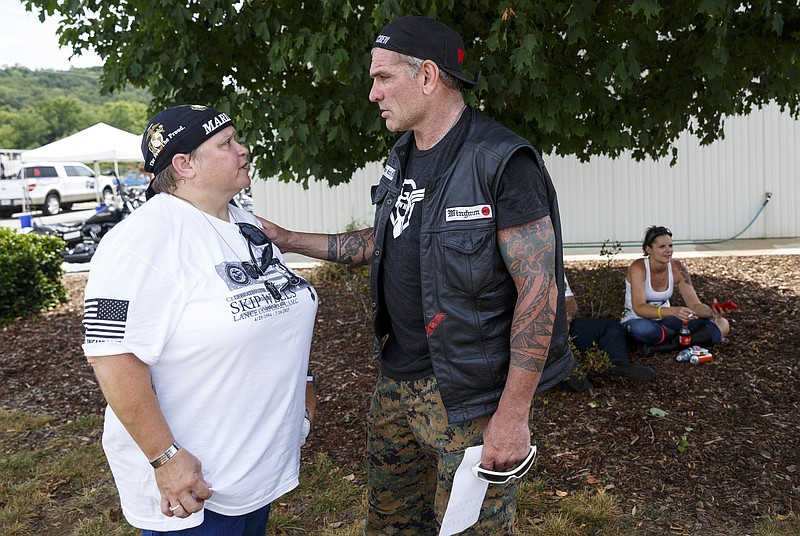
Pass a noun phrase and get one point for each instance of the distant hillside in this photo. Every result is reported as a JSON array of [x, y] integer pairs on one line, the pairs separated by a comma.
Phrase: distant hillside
[[39, 107], [21, 87]]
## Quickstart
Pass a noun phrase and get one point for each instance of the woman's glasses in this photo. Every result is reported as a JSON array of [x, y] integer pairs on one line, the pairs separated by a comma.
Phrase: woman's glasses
[[501, 477], [256, 237]]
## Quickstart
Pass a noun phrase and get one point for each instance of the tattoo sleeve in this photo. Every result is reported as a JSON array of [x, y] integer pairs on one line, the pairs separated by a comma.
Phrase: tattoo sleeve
[[685, 273], [529, 252], [351, 248]]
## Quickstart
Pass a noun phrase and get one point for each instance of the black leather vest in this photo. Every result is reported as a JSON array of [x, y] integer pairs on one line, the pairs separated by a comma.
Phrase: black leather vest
[[468, 295]]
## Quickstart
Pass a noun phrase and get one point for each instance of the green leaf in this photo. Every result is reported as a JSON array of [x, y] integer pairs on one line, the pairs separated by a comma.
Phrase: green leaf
[[658, 412], [715, 8], [777, 23], [566, 75], [648, 8]]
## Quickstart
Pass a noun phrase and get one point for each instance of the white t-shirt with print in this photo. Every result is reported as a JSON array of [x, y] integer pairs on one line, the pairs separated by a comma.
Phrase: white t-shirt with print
[[228, 354]]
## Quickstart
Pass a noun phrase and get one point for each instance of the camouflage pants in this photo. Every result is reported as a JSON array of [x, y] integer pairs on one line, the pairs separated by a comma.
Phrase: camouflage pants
[[412, 457]]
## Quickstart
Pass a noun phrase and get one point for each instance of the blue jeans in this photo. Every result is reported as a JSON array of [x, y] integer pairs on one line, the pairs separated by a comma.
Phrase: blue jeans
[[651, 331], [607, 333], [214, 524]]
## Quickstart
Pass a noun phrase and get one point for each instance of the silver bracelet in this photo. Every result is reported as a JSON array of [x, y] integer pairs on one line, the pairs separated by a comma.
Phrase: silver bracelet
[[165, 456]]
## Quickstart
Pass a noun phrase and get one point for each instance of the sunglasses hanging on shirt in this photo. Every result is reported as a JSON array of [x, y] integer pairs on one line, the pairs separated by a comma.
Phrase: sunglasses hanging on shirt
[[256, 237]]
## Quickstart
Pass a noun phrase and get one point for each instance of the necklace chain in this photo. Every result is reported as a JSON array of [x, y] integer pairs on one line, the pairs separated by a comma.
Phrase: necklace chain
[[446, 132], [658, 277], [220, 234], [243, 263], [214, 227]]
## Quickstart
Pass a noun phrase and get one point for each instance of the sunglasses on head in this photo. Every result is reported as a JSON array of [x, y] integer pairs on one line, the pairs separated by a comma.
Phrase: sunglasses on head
[[256, 237], [501, 477], [652, 234]]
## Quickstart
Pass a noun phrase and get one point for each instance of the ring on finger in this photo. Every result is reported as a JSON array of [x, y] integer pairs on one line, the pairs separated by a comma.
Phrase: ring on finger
[[173, 508]]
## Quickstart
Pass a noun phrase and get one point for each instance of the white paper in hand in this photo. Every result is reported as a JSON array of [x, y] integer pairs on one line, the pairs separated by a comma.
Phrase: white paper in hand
[[466, 499]]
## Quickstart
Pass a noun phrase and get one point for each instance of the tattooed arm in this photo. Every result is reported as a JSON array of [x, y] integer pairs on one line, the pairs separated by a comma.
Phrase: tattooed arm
[[688, 293], [354, 247], [529, 251]]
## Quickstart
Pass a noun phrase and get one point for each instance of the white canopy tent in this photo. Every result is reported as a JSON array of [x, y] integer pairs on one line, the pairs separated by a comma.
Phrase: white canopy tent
[[98, 143]]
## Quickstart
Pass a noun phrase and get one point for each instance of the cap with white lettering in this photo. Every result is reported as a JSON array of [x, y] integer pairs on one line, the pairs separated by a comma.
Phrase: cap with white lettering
[[178, 130], [427, 39]]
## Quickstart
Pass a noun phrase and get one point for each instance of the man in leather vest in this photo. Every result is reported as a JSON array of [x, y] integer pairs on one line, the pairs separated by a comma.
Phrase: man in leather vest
[[467, 287]]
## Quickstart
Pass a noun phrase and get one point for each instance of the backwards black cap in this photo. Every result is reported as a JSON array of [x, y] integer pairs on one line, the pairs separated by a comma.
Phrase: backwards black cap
[[427, 39]]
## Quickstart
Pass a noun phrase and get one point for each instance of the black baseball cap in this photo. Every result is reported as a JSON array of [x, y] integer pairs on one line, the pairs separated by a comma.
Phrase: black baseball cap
[[427, 39], [177, 130]]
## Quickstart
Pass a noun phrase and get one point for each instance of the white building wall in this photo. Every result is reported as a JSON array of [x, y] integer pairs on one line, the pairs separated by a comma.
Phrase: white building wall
[[712, 193], [321, 208]]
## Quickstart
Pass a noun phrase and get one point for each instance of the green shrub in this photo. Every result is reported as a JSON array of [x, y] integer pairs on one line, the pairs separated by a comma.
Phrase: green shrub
[[592, 361], [30, 274], [604, 292], [602, 296]]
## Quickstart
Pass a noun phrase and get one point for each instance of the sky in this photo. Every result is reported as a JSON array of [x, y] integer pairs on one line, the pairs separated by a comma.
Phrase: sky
[[27, 42]]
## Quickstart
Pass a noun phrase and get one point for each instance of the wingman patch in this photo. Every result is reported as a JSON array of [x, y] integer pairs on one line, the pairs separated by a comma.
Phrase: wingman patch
[[477, 212]]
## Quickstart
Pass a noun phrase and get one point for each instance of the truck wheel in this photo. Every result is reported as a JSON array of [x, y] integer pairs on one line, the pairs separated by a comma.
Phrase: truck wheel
[[52, 204]]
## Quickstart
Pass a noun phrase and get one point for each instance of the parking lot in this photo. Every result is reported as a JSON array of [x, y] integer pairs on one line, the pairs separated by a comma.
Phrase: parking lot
[[79, 212]]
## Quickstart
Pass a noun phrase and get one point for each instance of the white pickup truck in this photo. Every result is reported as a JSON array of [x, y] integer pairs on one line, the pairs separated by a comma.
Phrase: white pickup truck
[[53, 186]]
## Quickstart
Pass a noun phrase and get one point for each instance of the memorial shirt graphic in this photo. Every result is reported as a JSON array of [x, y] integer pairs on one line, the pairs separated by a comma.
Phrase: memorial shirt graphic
[[401, 215]]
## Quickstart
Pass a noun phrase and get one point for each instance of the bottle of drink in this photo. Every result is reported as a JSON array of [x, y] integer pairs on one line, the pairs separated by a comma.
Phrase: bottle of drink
[[685, 337], [697, 359]]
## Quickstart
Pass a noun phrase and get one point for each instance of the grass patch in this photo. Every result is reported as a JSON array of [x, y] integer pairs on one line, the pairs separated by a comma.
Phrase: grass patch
[[585, 512], [54, 480], [779, 525], [328, 499]]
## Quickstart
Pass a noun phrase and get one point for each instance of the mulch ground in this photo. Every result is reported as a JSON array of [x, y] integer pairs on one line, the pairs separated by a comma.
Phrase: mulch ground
[[702, 450]]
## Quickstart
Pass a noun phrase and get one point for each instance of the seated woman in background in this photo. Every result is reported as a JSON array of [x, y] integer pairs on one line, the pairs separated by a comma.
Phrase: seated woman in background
[[649, 284]]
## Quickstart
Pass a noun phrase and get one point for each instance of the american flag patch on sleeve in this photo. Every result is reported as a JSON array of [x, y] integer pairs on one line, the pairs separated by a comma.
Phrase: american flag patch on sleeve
[[104, 318]]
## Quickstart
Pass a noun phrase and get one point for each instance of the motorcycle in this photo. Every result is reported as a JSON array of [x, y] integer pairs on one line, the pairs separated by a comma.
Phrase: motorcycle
[[81, 239]]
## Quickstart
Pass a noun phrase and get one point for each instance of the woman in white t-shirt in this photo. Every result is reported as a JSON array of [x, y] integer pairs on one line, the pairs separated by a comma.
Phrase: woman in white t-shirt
[[649, 318], [199, 335]]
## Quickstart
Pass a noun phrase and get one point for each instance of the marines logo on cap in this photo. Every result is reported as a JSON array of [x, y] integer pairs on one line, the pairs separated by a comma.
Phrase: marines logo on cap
[[155, 139], [177, 130]]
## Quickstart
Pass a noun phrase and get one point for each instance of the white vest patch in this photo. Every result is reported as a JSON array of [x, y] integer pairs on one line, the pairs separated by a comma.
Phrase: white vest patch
[[389, 171], [477, 212]]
